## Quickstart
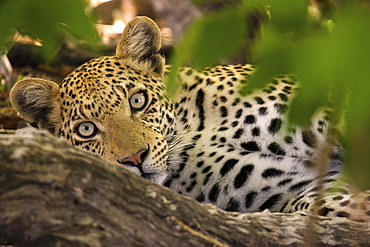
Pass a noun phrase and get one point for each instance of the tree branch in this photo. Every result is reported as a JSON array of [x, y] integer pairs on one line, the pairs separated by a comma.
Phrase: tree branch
[[52, 193]]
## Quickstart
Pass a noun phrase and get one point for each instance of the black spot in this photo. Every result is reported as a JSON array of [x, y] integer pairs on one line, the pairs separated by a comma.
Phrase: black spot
[[267, 188], [234, 124], [233, 205], [291, 80], [262, 111], [259, 100], [200, 197], [196, 137], [272, 172], [275, 125], [238, 133], [338, 198], [236, 101], [168, 183], [238, 113], [200, 154], [210, 82], [189, 146], [324, 211], [244, 153], [288, 139], [287, 89], [199, 103], [191, 186], [223, 111], [200, 163], [255, 131], [182, 165], [205, 170], [269, 203], [276, 149], [228, 166], [206, 179], [304, 205], [274, 81], [249, 199], [343, 214], [284, 182], [250, 146], [247, 105], [308, 138], [212, 154], [283, 97], [250, 119], [281, 108], [214, 192], [192, 86], [219, 158], [189, 72], [283, 207], [299, 186], [243, 176]]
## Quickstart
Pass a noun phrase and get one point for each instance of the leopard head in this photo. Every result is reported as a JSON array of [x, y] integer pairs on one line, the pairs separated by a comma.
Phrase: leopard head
[[114, 106]]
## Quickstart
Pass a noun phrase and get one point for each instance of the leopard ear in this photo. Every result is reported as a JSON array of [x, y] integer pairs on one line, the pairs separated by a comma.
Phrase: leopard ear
[[37, 102], [141, 40]]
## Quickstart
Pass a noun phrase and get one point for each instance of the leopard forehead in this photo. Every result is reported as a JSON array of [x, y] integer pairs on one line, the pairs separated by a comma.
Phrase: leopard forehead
[[103, 85]]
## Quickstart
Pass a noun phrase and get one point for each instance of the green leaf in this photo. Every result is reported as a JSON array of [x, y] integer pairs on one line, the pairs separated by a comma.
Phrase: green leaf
[[10, 18], [46, 20], [329, 63], [208, 40], [282, 34], [214, 37], [353, 65]]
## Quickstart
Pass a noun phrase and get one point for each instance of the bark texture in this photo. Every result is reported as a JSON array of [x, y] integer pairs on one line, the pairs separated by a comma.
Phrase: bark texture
[[53, 194]]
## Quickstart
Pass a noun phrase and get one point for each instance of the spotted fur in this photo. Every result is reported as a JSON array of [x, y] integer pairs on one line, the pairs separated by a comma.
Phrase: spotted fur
[[211, 144]]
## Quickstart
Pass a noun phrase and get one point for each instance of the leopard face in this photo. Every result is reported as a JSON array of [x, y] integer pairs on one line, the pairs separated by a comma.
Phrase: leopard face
[[113, 106], [117, 114]]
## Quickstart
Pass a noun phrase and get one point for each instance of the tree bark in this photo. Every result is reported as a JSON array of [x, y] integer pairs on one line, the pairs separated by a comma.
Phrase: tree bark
[[53, 194]]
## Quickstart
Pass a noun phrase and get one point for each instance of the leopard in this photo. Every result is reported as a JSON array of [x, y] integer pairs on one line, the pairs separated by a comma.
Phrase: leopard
[[208, 142]]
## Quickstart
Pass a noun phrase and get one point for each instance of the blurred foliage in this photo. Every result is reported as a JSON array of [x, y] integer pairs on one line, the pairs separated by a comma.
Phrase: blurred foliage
[[330, 54], [209, 39], [45, 20]]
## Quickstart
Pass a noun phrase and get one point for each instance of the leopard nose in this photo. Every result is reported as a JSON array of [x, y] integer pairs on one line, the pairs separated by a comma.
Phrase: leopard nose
[[136, 159]]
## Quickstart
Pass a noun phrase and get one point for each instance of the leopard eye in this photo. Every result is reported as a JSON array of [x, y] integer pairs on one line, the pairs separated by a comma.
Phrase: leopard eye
[[138, 101], [86, 130]]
